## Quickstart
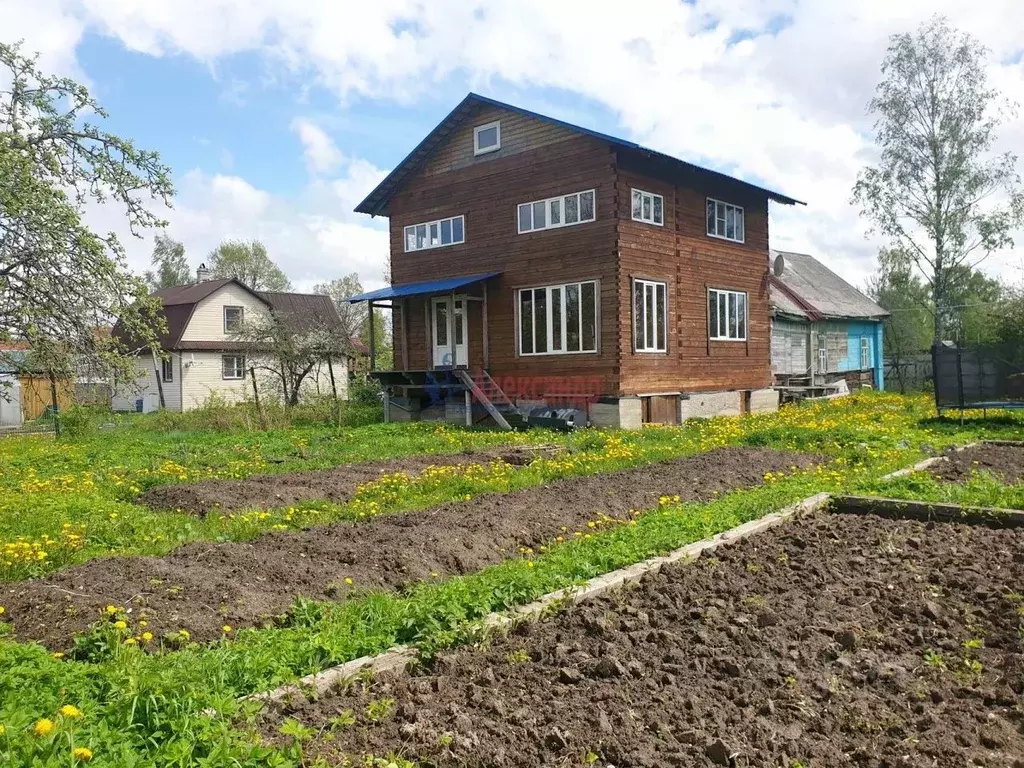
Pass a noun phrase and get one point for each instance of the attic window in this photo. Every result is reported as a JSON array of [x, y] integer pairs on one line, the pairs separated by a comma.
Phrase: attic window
[[487, 138]]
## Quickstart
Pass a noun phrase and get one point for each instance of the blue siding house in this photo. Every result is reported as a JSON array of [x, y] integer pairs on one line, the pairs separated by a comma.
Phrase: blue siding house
[[823, 329]]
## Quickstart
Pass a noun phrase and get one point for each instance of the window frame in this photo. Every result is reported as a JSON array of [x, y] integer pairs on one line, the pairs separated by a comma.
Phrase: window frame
[[241, 369], [560, 199], [439, 223], [727, 206], [746, 314], [167, 370], [563, 318], [647, 349], [477, 130], [642, 192], [865, 353], [241, 317]]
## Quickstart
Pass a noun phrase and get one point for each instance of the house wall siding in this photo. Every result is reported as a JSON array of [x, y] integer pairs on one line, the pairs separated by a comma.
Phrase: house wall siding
[[790, 345], [207, 322], [202, 378], [690, 262], [126, 393], [487, 193]]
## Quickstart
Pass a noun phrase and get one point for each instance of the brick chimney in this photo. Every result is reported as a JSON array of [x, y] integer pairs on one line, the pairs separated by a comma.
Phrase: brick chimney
[[203, 274]]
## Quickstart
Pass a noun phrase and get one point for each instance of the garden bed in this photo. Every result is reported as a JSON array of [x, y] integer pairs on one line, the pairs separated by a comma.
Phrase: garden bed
[[1004, 461], [337, 484], [834, 640], [202, 586]]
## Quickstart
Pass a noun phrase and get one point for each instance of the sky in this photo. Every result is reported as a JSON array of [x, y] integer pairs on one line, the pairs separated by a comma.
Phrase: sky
[[277, 117]]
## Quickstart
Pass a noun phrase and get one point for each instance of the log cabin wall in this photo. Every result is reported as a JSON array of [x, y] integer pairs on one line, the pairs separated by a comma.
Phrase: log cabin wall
[[537, 161], [681, 254]]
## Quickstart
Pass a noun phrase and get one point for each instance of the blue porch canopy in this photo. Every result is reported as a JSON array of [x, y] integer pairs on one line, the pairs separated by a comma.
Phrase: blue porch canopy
[[420, 289]]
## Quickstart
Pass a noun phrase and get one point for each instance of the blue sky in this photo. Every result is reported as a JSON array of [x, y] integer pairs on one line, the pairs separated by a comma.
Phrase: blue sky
[[278, 117]]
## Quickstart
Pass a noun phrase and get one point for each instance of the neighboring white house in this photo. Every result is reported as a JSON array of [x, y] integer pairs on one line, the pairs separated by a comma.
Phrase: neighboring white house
[[202, 359]]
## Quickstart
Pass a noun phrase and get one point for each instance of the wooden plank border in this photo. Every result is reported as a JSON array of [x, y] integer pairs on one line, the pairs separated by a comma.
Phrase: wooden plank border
[[927, 511], [398, 657]]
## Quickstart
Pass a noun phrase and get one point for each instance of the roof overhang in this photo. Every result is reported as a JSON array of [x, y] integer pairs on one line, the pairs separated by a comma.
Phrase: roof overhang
[[422, 289], [376, 203]]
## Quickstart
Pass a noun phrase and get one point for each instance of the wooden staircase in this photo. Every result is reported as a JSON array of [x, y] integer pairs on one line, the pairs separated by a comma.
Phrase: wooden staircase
[[491, 397]]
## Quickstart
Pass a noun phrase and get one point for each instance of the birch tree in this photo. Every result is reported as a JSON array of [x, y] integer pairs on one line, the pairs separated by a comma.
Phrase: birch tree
[[939, 193]]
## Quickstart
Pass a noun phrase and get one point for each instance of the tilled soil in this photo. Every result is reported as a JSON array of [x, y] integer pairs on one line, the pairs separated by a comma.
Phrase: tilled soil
[[805, 645], [337, 484], [1005, 462], [204, 585]]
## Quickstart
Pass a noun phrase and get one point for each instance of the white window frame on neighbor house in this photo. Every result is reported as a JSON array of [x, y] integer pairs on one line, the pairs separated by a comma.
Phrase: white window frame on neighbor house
[[477, 149], [648, 335], [555, 207], [167, 370], [639, 195], [721, 219], [238, 367], [732, 306], [228, 327], [554, 325], [865, 353], [431, 234]]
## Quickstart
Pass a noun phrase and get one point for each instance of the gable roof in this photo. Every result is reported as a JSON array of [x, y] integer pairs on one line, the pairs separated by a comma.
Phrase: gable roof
[[807, 288], [299, 311], [377, 201]]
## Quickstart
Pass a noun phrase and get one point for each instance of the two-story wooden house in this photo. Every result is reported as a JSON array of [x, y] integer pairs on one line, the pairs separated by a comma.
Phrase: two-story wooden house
[[548, 263]]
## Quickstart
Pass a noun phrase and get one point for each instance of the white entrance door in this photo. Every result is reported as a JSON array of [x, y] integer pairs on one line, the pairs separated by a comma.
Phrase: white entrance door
[[450, 352]]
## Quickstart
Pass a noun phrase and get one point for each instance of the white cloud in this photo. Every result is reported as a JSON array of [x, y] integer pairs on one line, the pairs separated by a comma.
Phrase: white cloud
[[322, 156], [785, 104]]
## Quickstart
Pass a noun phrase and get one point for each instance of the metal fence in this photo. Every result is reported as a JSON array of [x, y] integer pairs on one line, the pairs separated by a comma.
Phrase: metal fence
[[979, 376]]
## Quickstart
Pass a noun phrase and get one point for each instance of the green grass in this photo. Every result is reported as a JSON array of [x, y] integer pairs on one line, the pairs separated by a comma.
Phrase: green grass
[[143, 709]]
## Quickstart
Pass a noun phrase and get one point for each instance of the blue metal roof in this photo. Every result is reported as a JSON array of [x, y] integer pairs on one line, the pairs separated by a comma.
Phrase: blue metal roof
[[376, 202], [419, 289]]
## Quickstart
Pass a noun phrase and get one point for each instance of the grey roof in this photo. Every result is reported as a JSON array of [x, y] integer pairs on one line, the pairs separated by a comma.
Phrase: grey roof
[[808, 288], [377, 201]]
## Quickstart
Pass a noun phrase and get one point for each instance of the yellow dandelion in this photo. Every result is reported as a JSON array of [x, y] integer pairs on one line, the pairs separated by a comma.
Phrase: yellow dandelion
[[147, 636], [120, 625], [348, 580], [225, 629], [71, 712], [111, 609], [57, 655], [82, 754], [2, 610], [130, 641], [44, 727]]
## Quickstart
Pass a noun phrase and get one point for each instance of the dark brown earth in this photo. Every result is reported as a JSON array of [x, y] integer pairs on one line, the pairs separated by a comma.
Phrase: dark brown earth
[[1005, 462], [337, 484], [802, 646], [204, 585]]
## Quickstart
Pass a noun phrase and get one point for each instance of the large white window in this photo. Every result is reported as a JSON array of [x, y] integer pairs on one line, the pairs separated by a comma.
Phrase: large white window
[[650, 316], [233, 317], [435, 234], [232, 366], [558, 319], [648, 207], [725, 221], [562, 211], [865, 353], [487, 138], [727, 313]]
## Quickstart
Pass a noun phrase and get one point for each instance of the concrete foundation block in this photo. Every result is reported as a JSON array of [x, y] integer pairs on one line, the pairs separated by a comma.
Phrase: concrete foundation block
[[710, 404], [626, 413], [764, 400]]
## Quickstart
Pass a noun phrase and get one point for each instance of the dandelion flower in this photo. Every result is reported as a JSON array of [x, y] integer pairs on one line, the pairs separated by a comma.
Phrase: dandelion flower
[[71, 712], [348, 580], [147, 636], [44, 727], [82, 754], [130, 641], [58, 655], [111, 610], [120, 625], [143, 623], [2, 610], [225, 629]]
